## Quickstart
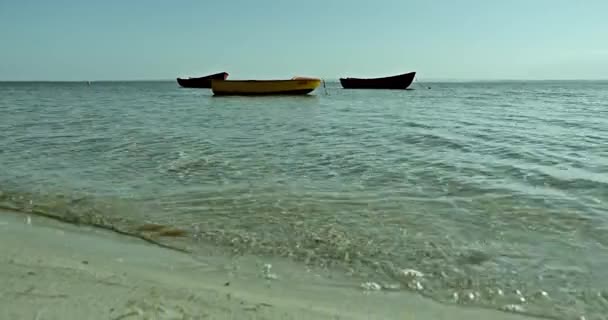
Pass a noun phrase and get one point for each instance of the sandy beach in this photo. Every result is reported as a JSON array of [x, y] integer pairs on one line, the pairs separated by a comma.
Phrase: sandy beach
[[53, 270]]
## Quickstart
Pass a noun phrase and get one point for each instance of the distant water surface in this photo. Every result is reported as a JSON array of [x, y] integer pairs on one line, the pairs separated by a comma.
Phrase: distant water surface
[[496, 191]]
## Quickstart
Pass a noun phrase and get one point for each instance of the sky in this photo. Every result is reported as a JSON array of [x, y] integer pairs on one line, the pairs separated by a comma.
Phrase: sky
[[265, 39]]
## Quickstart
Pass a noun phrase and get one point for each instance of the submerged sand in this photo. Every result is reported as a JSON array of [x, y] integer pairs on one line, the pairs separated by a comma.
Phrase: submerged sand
[[54, 270]]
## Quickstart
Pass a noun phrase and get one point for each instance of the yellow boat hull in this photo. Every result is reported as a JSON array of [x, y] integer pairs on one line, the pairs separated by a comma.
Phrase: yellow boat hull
[[295, 86]]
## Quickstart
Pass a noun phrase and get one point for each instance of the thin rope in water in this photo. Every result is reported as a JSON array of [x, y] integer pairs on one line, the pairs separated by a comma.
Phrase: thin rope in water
[[420, 84]]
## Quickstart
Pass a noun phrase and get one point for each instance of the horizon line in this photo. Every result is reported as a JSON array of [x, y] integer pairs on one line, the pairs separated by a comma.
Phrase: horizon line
[[331, 78]]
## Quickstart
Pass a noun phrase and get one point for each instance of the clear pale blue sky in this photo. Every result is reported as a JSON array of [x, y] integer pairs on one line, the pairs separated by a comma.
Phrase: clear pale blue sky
[[441, 39]]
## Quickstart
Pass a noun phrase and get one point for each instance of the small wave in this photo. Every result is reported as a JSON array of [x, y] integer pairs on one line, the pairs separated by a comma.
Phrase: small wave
[[104, 214]]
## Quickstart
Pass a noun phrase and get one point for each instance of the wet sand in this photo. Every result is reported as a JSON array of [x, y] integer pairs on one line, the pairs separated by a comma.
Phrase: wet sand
[[53, 270]]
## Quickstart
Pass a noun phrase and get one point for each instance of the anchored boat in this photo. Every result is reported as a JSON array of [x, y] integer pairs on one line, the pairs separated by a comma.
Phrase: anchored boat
[[201, 82], [401, 81], [294, 86]]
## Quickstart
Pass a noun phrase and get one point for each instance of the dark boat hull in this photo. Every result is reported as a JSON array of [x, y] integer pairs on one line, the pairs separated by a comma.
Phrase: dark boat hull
[[402, 81], [202, 82]]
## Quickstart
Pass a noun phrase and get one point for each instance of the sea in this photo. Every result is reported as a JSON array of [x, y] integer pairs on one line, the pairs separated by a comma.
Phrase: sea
[[481, 194]]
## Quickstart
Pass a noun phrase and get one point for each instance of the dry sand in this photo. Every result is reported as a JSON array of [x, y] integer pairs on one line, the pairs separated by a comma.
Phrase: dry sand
[[52, 270]]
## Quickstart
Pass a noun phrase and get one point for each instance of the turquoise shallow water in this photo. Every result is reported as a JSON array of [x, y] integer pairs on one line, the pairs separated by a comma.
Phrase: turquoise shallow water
[[496, 191]]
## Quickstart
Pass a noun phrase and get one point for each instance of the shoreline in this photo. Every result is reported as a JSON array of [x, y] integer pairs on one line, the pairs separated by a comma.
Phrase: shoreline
[[56, 270]]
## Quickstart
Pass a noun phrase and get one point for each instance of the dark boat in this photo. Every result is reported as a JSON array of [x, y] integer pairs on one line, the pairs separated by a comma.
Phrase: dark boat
[[202, 82], [401, 81]]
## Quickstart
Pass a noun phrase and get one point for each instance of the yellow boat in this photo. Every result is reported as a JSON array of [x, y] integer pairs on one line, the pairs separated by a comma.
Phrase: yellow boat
[[294, 86]]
